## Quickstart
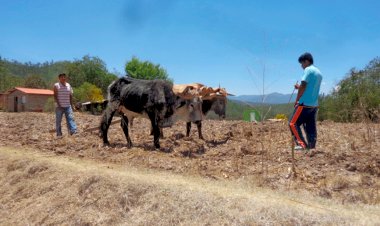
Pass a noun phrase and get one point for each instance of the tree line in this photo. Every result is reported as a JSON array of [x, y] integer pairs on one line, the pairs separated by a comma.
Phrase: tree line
[[88, 76], [355, 98]]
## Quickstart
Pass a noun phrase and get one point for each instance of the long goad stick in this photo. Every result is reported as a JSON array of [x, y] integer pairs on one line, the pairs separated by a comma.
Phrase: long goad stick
[[291, 96], [293, 168]]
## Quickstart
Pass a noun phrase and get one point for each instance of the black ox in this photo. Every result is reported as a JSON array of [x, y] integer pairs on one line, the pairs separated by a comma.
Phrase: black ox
[[153, 99], [150, 99]]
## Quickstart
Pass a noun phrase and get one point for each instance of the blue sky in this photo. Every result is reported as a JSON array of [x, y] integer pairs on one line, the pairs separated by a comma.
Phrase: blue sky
[[232, 43]]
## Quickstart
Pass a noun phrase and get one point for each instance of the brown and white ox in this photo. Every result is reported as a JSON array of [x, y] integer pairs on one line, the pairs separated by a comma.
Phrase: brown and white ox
[[212, 100]]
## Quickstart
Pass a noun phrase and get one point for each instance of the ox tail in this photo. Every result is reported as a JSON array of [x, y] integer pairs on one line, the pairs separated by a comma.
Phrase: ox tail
[[109, 90]]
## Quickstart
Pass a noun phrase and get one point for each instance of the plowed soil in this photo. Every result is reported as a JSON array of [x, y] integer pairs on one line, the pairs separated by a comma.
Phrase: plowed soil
[[345, 166]]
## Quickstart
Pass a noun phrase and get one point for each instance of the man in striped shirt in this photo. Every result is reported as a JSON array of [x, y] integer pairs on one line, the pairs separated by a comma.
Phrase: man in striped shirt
[[63, 96]]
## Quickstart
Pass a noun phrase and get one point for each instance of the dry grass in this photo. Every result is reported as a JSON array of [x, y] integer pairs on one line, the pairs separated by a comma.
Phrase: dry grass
[[47, 189]]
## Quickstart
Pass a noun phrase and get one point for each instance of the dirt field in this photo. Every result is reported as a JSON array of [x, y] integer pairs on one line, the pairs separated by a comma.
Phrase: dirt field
[[345, 168]]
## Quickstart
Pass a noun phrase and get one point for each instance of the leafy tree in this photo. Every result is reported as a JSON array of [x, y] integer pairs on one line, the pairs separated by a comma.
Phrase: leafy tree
[[88, 92], [76, 75], [35, 81], [88, 69], [7, 80], [3, 74], [105, 81], [14, 73], [145, 70], [92, 70], [357, 97]]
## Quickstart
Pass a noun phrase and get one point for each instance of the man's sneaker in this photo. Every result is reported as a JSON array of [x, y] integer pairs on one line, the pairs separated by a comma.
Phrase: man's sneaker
[[299, 148]]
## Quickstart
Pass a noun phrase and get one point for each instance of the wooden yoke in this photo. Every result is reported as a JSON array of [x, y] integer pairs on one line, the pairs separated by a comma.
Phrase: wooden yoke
[[189, 91]]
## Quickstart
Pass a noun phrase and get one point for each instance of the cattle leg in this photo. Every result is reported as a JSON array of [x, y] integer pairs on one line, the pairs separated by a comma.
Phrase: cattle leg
[[188, 128], [199, 125], [105, 124], [161, 132], [156, 130], [124, 125]]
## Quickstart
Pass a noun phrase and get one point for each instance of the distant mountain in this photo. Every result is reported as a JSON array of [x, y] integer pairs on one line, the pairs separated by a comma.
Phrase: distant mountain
[[271, 98]]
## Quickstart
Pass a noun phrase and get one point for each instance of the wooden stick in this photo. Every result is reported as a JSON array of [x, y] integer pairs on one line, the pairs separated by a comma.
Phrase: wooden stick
[[97, 127], [292, 170], [92, 128], [293, 160]]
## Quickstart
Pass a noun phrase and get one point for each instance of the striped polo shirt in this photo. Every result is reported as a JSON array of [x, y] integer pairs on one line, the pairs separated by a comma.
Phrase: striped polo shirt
[[63, 93]]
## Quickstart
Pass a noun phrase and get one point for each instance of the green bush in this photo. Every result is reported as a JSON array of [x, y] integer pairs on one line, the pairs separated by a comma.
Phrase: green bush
[[356, 98], [88, 92], [281, 116]]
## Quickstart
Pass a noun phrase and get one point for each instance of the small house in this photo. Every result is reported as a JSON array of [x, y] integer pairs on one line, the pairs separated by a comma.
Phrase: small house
[[26, 99]]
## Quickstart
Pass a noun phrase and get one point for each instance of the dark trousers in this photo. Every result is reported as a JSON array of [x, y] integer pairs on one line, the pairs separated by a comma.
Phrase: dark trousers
[[307, 117]]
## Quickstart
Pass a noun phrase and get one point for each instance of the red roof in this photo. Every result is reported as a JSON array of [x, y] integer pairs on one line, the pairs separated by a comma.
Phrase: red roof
[[34, 91]]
